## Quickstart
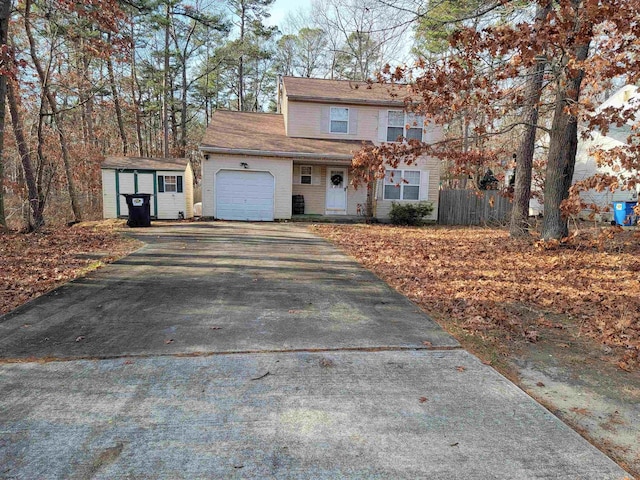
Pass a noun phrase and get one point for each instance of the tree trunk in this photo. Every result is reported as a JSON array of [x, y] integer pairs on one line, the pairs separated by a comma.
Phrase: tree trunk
[[562, 152], [88, 94], [524, 156], [25, 156], [116, 102], [165, 85], [243, 13], [66, 158], [5, 12], [135, 94]]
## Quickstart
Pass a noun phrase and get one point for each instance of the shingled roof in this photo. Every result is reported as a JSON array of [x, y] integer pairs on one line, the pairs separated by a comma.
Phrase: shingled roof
[[264, 133], [344, 91], [145, 163]]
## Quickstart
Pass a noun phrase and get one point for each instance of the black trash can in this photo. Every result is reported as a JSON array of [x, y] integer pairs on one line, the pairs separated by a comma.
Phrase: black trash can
[[139, 205], [298, 204]]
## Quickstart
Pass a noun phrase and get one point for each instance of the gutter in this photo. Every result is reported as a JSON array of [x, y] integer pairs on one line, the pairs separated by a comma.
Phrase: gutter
[[268, 153], [355, 101]]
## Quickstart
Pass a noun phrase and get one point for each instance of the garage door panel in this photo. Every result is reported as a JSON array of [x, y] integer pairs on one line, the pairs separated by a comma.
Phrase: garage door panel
[[242, 195]]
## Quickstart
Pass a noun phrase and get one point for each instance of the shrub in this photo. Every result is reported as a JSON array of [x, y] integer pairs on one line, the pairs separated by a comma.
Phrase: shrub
[[409, 213]]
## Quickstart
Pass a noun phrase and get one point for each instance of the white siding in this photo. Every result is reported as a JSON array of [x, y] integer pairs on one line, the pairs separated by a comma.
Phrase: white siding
[[145, 185], [188, 191], [126, 184], [170, 203], [280, 168], [109, 199], [311, 120]]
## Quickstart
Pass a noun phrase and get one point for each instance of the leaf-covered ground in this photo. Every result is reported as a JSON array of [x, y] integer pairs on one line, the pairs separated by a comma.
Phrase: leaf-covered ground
[[487, 284], [35, 263]]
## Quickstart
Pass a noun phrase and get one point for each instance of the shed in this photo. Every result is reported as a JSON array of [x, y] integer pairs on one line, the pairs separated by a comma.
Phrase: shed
[[169, 180]]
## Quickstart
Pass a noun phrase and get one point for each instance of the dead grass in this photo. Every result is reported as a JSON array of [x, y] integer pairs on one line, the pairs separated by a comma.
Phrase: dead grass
[[480, 283], [35, 263]]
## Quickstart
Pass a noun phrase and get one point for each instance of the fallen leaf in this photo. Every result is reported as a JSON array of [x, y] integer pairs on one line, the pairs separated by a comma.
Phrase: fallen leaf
[[540, 384], [531, 335], [422, 399], [326, 362], [580, 411], [460, 368], [427, 343], [168, 341]]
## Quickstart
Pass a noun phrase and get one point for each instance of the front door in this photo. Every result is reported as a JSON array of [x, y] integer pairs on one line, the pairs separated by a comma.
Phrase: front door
[[336, 191]]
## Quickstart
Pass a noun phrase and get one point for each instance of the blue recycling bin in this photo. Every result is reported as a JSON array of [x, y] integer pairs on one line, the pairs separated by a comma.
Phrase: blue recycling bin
[[623, 213]]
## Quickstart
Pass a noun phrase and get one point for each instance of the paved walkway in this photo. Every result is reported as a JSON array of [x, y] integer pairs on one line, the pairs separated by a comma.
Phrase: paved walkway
[[229, 350]]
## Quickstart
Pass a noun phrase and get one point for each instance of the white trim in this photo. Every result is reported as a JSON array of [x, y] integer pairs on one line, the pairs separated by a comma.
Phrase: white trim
[[345, 182], [215, 188], [310, 174], [401, 185], [331, 120], [406, 121]]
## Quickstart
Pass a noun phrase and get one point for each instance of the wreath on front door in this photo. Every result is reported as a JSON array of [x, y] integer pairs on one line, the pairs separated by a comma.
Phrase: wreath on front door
[[336, 179]]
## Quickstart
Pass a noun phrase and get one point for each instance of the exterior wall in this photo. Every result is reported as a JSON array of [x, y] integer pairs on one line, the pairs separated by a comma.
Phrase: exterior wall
[[280, 168], [429, 164], [188, 191], [170, 203], [315, 194], [109, 199], [311, 120], [355, 198]]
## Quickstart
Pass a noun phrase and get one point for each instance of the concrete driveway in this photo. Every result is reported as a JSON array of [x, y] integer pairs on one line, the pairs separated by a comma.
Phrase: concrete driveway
[[229, 350]]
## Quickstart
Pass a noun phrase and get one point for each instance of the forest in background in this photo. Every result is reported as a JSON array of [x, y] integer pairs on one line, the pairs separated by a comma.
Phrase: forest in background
[[142, 78], [92, 79]]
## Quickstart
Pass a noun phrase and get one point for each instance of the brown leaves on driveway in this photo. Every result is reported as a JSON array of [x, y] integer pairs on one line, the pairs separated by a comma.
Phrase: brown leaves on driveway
[[35, 263], [484, 280]]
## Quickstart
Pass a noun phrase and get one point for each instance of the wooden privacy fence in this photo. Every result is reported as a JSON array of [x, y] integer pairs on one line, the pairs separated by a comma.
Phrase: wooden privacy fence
[[472, 207]]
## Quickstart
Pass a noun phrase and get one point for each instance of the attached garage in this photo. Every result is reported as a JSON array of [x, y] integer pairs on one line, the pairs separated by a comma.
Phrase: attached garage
[[169, 181], [244, 195]]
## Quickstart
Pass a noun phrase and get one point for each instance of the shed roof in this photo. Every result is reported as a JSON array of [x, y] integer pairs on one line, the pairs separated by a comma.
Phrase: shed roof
[[344, 91], [145, 163], [264, 133]]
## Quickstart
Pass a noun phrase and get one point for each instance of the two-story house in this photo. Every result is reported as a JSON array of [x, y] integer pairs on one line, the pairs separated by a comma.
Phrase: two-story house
[[254, 163]]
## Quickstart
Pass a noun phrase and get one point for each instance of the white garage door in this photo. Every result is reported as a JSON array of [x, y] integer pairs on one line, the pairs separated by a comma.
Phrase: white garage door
[[242, 195]]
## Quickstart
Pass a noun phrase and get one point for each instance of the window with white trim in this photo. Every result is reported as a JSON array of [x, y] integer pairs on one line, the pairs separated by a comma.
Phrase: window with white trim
[[306, 174], [402, 185], [170, 183], [339, 120], [404, 124]]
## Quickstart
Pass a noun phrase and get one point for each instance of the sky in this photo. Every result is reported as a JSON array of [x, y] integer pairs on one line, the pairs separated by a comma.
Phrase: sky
[[280, 8]]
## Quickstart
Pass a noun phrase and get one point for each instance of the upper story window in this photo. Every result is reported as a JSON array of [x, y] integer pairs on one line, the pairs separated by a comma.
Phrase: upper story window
[[339, 120], [403, 124], [402, 185], [306, 173]]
